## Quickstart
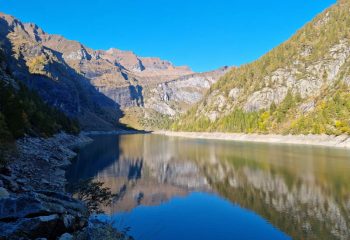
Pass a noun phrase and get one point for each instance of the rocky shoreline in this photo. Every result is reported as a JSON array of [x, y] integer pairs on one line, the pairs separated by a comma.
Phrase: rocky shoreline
[[33, 201], [342, 141], [116, 132]]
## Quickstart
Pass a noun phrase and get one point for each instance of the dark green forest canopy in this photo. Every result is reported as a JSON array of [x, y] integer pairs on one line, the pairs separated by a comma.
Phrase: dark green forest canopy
[[23, 112]]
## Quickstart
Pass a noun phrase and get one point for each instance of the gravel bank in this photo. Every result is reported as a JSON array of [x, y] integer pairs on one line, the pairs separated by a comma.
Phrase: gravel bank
[[342, 141]]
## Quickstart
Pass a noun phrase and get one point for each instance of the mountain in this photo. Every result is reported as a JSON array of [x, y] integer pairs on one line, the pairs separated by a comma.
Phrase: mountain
[[94, 86], [301, 86], [22, 112], [163, 102], [45, 71]]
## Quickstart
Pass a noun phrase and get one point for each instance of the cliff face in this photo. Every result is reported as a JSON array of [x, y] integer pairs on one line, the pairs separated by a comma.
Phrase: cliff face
[[295, 88], [177, 96], [45, 70], [160, 103]]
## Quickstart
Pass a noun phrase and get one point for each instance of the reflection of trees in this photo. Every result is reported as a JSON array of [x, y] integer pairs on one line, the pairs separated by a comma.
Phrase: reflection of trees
[[125, 165], [134, 185], [302, 209], [304, 191], [94, 157]]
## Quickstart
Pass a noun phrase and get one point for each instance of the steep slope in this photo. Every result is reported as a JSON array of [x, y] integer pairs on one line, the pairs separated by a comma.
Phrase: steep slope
[[45, 71], [302, 86], [163, 102], [23, 112], [91, 85], [117, 74]]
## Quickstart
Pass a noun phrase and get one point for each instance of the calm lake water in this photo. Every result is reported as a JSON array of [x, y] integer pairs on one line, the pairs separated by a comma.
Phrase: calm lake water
[[178, 188]]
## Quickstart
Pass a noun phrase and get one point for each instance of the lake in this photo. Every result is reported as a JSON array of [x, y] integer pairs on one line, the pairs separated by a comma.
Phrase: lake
[[177, 188]]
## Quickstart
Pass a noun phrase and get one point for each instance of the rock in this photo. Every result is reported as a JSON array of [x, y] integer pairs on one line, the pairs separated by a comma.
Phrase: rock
[[68, 221], [307, 107], [213, 115], [5, 171], [44, 181], [41, 214], [347, 81], [3, 193], [234, 93], [97, 230], [9, 183], [66, 236], [42, 204], [36, 227], [24, 206], [22, 181], [264, 98]]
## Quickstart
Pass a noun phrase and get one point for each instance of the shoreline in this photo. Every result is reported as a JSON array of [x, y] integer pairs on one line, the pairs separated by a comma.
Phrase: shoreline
[[113, 132], [33, 183], [341, 141]]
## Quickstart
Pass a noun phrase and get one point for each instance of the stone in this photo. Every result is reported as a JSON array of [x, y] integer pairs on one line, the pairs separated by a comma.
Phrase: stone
[[66, 236], [234, 93], [24, 206], [44, 181], [347, 81], [307, 107], [3, 193], [264, 98], [32, 228], [9, 183], [22, 181], [68, 221], [97, 230]]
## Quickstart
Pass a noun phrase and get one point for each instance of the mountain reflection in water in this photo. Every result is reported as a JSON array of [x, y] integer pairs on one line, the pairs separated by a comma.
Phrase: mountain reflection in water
[[302, 191]]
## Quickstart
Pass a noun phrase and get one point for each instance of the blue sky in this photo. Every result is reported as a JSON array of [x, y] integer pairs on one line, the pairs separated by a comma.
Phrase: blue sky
[[201, 34]]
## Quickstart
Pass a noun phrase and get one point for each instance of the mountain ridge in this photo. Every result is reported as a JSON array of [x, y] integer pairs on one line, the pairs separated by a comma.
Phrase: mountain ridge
[[120, 80], [299, 87]]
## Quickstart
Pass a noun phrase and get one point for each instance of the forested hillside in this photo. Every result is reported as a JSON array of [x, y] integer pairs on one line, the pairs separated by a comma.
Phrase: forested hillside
[[302, 86], [23, 112]]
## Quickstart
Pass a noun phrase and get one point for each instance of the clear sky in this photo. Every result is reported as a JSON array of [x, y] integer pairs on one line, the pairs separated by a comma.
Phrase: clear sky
[[202, 34]]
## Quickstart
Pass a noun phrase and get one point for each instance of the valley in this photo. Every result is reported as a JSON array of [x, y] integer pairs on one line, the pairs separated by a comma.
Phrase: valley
[[106, 144]]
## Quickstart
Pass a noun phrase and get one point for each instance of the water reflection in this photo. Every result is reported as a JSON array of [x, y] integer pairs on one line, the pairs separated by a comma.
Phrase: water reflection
[[303, 191]]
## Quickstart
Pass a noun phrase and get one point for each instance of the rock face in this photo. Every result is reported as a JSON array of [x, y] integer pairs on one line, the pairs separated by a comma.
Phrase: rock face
[[45, 70], [177, 96], [166, 100]]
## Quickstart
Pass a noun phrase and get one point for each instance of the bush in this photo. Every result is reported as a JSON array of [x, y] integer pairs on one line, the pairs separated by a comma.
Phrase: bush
[[93, 194]]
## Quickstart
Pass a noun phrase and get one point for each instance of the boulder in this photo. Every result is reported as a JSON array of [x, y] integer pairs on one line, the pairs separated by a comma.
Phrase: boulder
[[40, 214], [66, 236], [32, 228], [4, 193], [97, 230]]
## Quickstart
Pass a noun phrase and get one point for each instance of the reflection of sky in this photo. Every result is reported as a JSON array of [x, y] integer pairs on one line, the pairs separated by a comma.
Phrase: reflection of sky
[[303, 185], [197, 216]]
